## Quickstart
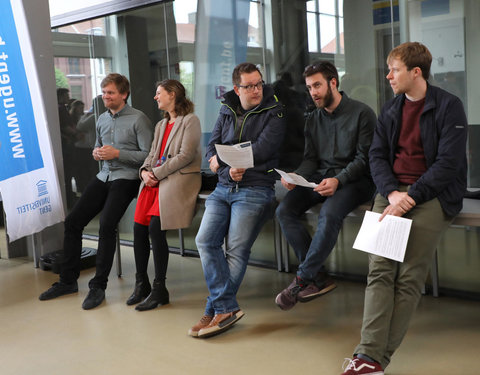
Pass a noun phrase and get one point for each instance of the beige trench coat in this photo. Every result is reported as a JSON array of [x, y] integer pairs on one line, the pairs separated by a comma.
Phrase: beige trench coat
[[179, 176]]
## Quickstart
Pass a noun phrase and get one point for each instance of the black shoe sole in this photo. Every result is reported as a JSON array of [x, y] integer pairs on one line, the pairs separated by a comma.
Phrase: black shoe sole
[[48, 298], [141, 307], [90, 307], [134, 301]]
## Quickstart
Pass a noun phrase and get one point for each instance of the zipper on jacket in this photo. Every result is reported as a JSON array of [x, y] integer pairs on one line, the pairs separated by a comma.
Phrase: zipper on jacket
[[246, 116]]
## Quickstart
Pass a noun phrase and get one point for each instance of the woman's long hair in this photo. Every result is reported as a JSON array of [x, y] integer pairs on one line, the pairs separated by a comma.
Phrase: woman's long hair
[[183, 105]]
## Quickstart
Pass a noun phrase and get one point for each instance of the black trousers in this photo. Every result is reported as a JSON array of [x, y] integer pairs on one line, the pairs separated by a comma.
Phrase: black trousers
[[141, 247], [111, 198]]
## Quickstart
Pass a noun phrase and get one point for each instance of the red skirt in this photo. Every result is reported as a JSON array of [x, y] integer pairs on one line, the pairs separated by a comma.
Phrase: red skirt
[[147, 205]]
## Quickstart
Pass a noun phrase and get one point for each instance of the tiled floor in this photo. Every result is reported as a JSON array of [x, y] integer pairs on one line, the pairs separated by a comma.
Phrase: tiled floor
[[58, 337]]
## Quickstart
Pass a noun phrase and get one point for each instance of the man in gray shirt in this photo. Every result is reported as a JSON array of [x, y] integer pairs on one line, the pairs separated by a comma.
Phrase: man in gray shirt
[[124, 136], [338, 134]]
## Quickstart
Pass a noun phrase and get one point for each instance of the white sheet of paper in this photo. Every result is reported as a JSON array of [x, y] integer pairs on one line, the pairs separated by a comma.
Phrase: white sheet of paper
[[236, 156], [293, 178], [387, 238]]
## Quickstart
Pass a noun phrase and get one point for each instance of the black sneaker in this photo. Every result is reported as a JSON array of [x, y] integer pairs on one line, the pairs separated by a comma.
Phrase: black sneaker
[[316, 289], [287, 298], [94, 298], [58, 289]]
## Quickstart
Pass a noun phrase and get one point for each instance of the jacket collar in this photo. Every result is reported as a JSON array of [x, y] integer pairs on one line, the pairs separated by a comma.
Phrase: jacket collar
[[340, 107], [430, 102], [176, 126]]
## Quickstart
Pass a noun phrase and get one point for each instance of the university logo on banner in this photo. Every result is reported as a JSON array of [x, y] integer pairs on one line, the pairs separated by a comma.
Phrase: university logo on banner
[[28, 180]]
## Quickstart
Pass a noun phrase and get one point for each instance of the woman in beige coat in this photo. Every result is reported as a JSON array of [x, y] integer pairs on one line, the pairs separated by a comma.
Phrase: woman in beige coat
[[168, 193]]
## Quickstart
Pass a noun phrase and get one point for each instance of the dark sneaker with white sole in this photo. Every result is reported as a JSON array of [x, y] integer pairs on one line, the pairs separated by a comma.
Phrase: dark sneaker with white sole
[[316, 289], [303, 291], [287, 298], [220, 323]]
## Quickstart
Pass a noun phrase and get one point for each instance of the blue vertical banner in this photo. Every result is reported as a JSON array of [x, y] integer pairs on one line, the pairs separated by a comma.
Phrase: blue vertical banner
[[19, 148], [221, 43], [28, 181]]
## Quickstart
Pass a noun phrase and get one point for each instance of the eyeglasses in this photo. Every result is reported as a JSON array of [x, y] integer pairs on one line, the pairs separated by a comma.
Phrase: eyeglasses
[[251, 88]]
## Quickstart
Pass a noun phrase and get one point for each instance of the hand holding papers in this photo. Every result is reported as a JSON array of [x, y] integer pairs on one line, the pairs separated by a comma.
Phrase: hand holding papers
[[236, 156], [293, 178], [387, 238]]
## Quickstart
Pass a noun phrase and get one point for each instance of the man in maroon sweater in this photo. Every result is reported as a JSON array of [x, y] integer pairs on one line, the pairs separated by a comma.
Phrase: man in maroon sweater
[[418, 163]]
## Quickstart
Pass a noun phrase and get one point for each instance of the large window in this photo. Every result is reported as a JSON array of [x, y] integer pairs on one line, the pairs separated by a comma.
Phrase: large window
[[199, 43], [325, 26]]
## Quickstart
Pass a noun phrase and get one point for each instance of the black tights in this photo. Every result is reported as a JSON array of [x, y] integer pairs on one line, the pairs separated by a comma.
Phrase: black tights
[[141, 247]]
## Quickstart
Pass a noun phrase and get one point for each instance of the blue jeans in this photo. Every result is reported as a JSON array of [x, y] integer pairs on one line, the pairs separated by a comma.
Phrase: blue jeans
[[238, 217], [312, 252]]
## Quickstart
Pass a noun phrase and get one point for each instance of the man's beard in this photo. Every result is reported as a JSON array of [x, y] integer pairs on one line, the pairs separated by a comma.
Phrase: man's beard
[[328, 99]]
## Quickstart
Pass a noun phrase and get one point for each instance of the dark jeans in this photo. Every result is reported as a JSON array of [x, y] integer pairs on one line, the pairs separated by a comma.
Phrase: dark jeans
[[111, 199], [312, 253]]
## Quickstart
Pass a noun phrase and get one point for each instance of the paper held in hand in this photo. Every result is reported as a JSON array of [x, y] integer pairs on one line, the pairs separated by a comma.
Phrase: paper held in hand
[[293, 178], [236, 156], [387, 238]]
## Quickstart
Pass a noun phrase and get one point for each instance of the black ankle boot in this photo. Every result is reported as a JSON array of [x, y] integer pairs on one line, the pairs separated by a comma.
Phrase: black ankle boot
[[142, 289], [158, 296]]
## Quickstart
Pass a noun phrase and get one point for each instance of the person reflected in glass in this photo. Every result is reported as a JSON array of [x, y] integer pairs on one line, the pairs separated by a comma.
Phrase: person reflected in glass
[[170, 184], [87, 167], [69, 136]]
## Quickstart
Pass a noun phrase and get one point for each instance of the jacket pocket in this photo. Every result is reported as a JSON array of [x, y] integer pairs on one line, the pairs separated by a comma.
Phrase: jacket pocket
[[190, 169]]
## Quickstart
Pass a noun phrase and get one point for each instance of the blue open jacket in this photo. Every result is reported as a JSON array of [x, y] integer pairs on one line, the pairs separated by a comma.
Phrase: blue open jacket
[[443, 130], [264, 126]]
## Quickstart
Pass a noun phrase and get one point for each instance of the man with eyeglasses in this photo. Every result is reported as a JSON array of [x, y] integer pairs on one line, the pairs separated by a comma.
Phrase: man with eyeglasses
[[243, 198], [338, 134]]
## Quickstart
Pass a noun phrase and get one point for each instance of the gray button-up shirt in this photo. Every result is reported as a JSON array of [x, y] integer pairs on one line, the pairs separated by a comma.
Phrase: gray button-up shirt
[[130, 131]]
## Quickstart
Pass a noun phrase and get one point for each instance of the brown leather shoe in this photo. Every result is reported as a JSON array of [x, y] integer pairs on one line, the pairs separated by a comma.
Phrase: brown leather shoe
[[220, 323], [202, 323]]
